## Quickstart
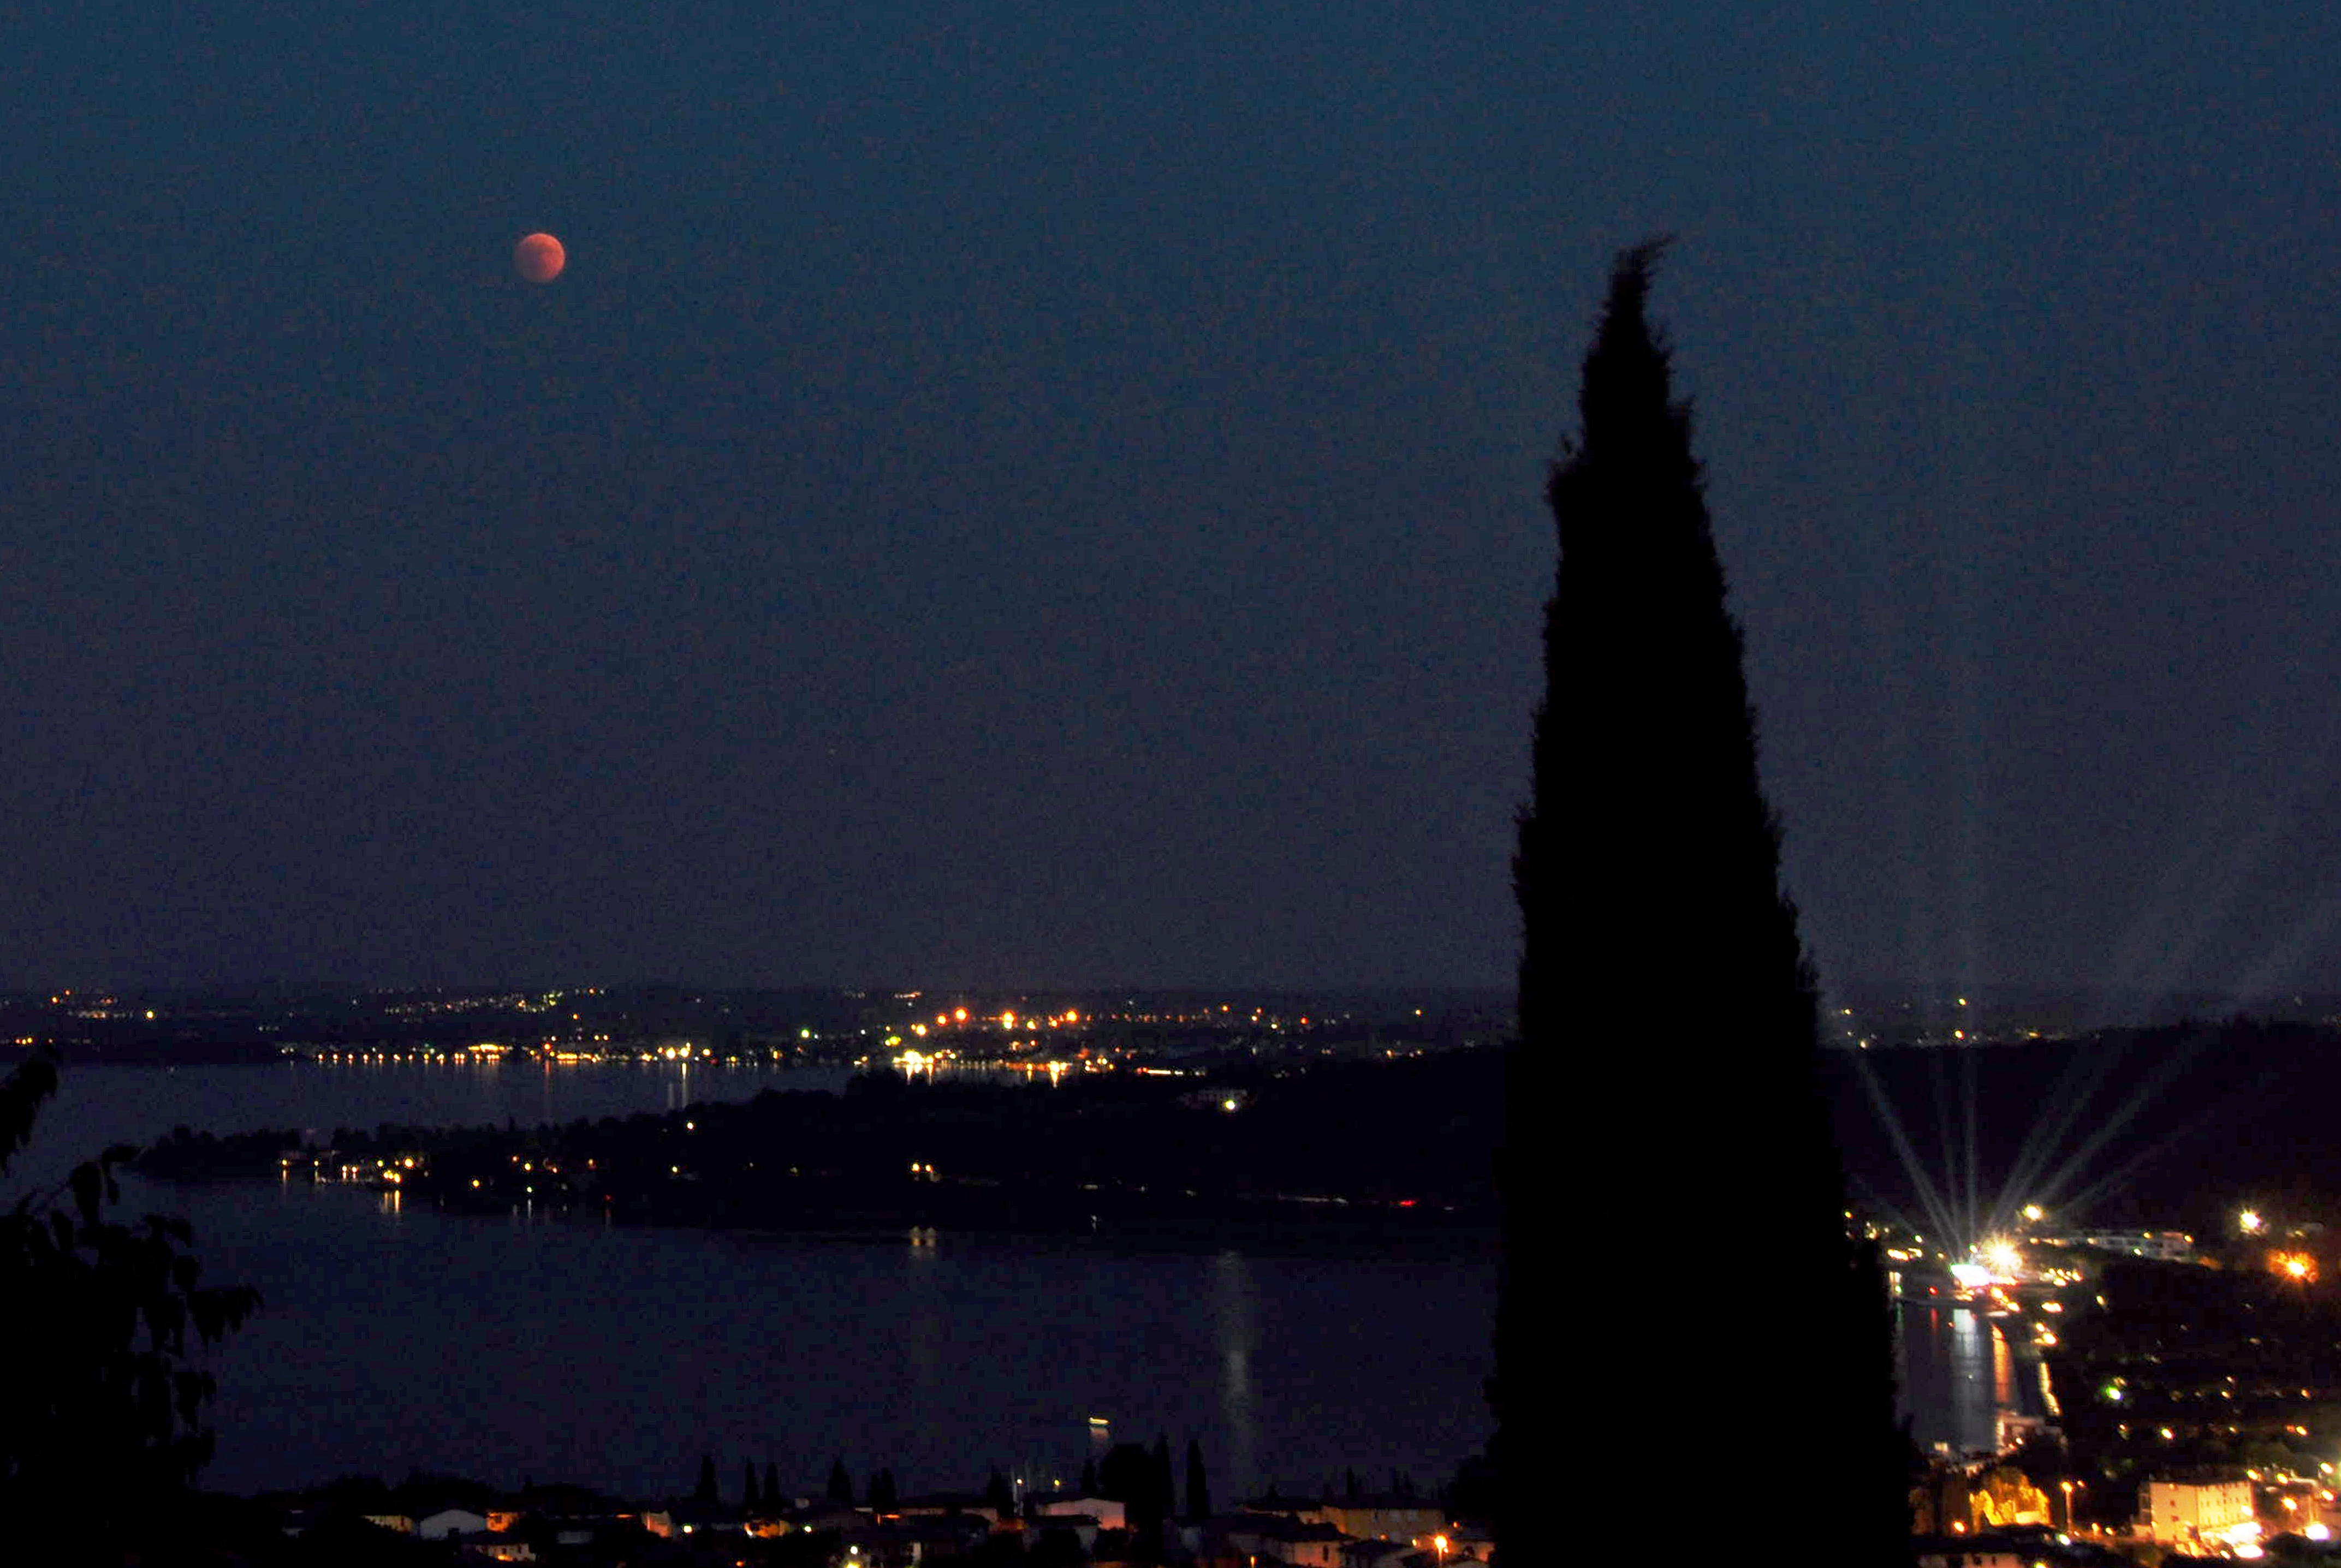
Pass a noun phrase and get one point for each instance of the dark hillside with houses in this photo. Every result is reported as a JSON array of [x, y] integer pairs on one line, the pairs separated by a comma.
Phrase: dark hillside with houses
[[1130, 1511]]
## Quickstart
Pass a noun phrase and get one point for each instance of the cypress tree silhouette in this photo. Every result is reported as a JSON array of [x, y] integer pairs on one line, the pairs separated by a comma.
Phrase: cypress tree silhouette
[[748, 1498], [1164, 1503], [1653, 919], [773, 1498], [705, 1491], [1199, 1489], [840, 1485]]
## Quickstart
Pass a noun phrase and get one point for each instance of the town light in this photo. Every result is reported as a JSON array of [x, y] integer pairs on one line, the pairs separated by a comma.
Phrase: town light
[[2034, 1213], [2252, 1222], [2299, 1267]]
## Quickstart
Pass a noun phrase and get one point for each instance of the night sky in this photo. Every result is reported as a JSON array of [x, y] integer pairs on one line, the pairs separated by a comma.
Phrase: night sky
[[1050, 493]]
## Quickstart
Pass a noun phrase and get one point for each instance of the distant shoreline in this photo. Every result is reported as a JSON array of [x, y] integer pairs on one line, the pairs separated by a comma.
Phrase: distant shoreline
[[1432, 1239]]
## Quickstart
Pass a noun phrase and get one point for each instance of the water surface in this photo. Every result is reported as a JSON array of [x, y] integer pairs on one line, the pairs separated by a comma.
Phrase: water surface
[[524, 1347]]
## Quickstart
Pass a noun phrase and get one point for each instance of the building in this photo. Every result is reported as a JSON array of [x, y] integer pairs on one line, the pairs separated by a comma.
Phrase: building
[[1386, 1518], [450, 1522], [930, 1537], [1973, 1552], [2194, 1507], [1283, 1539], [1109, 1514], [1082, 1527], [2162, 1246], [947, 1503]]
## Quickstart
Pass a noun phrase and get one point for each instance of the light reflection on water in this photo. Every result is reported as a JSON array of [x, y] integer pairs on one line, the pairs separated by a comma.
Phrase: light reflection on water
[[1235, 1312], [1960, 1375], [615, 1356]]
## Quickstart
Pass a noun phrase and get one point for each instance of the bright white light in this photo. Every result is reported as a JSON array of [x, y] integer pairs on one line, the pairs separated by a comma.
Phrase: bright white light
[[2252, 1222], [2318, 1532], [1971, 1276]]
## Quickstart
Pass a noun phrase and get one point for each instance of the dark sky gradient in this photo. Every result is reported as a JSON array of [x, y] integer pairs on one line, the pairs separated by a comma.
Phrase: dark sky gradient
[[1050, 492]]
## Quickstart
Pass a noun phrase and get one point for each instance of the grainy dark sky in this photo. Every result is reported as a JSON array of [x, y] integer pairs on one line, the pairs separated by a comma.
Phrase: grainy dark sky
[[1050, 492]]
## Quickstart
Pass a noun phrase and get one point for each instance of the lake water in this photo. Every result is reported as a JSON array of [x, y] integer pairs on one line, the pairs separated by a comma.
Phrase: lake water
[[520, 1348], [1960, 1375]]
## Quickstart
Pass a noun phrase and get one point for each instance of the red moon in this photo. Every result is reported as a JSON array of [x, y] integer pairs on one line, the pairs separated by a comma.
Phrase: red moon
[[540, 258]]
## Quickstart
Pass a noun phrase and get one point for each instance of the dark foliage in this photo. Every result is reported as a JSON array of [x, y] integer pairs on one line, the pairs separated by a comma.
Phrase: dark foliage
[[748, 1495], [1162, 1500], [1471, 1493], [840, 1485], [1647, 874], [705, 1491], [188, 1156], [1199, 1487], [773, 1498], [1139, 1478], [881, 1491], [1057, 1548], [1000, 1495], [103, 1320]]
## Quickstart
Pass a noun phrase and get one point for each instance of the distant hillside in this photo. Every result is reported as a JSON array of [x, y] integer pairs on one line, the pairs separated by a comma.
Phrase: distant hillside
[[2175, 1126]]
